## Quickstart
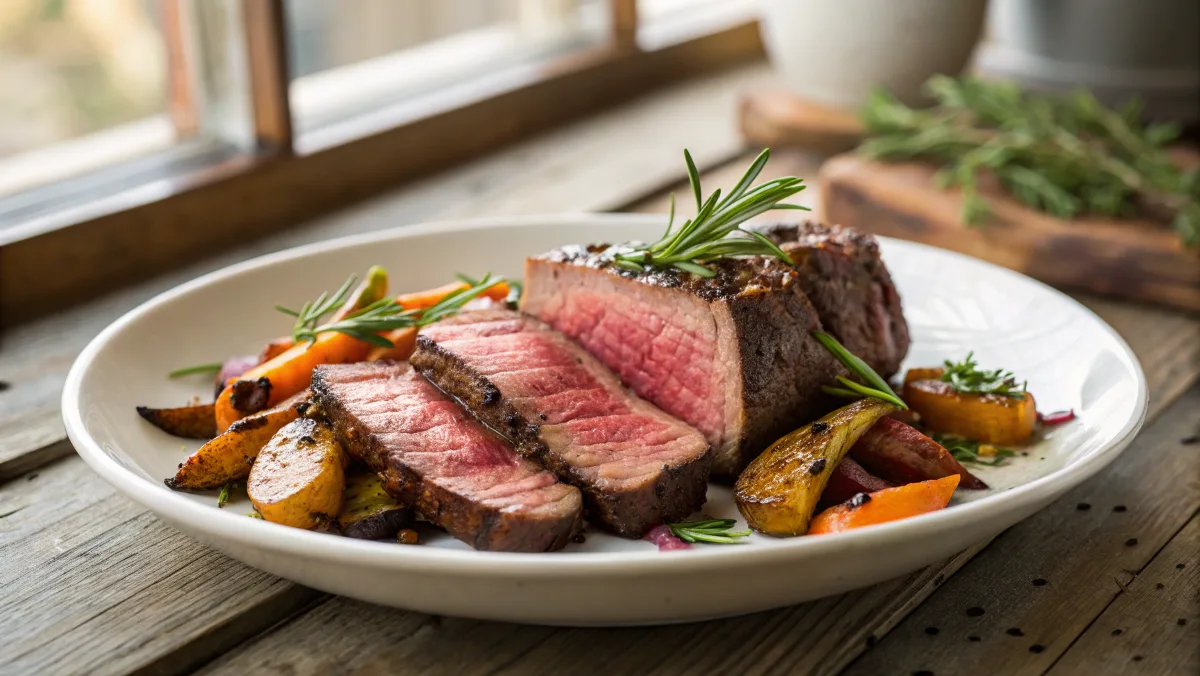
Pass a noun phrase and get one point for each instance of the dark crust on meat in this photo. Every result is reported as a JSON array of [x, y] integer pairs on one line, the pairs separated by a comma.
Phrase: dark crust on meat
[[735, 276], [843, 275], [783, 369], [494, 530], [678, 492]]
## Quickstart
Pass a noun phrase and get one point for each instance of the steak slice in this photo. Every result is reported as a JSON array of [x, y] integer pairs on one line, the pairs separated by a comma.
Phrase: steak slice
[[637, 466], [847, 282], [732, 355], [436, 458]]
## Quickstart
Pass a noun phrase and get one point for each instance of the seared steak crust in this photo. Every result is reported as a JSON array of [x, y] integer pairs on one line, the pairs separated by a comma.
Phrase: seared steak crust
[[732, 354], [843, 275], [636, 466], [436, 458]]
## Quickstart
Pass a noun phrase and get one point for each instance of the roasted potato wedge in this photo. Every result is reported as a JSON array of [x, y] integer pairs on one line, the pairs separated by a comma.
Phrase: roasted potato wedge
[[189, 422], [229, 456], [778, 492], [368, 512], [300, 476], [986, 418]]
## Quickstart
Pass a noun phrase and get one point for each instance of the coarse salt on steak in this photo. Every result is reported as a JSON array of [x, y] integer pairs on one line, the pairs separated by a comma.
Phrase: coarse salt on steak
[[636, 466], [435, 457]]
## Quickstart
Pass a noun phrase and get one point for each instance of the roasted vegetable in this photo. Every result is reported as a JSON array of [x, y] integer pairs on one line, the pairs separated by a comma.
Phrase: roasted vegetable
[[368, 512], [290, 371], [299, 476], [404, 341], [232, 368], [229, 456], [778, 492], [427, 299], [849, 479], [889, 504], [900, 454], [988, 418], [189, 422]]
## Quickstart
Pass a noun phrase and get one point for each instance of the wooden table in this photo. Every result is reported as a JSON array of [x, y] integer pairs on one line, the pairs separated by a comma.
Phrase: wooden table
[[1103, 581]]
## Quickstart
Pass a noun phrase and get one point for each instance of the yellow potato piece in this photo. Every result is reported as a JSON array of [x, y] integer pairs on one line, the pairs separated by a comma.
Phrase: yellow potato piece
[[778, 492], [299, 476]]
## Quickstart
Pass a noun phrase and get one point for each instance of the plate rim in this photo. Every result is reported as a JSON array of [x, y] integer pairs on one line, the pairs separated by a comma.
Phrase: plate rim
[[258, 534]]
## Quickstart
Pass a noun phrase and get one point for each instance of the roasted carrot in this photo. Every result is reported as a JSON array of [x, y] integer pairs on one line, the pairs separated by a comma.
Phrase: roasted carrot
[[372, 288], [420, 300], [290, 371], [889, 504], [403, 342]]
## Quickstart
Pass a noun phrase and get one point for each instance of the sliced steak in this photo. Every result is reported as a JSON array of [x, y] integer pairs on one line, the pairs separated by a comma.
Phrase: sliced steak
[[847, 282], [637, 466], [732, 355], [436, 458]]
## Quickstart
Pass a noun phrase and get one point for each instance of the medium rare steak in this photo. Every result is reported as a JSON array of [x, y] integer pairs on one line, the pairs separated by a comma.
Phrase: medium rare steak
[[732, 355], [637, 466], [436, 458], [847, 282]]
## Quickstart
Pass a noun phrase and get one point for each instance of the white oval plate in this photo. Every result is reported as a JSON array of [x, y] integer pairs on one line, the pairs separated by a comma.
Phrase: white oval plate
[[953, 303]]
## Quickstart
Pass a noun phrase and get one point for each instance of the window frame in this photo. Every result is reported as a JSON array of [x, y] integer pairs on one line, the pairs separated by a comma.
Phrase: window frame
[[177, 212]]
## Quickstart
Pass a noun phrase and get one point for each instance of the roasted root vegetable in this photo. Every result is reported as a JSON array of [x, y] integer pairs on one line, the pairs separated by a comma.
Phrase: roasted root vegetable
[[421, 300], [290, 371], [368, 511], [229, 456], [778, 492], [189, 422], [849, 479], [404, 341], [300, 476], [987, 418], [900, 454], [889, 504]]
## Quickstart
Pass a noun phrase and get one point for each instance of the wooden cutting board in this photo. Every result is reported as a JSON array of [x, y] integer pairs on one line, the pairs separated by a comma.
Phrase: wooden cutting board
[[778, 119], [1129, 259]]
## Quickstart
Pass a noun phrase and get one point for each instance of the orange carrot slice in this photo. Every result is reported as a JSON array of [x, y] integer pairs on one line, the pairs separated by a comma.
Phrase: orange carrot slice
[[404, 341], [420, 300], [889, 504]]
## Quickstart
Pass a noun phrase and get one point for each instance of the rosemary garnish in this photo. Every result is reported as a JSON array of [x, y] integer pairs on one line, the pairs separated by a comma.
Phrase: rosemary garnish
[[966, 377], [709, 235], [195, 370], [875, 386], [386, 314], [1063, 155], [966, 450], [713, 531], [311, 313]]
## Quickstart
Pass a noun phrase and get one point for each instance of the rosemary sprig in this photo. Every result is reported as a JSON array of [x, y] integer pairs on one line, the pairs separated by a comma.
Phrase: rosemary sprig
[[713, 531], [709, 235], [966, 450], [875, 386], [312, 312], [966, 377], [1064, 155], [195, 370], [386, 314]]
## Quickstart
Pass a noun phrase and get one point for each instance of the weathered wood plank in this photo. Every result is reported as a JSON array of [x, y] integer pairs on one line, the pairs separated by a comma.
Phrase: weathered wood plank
[[640, 147], [1151, 627], [1086, 556]]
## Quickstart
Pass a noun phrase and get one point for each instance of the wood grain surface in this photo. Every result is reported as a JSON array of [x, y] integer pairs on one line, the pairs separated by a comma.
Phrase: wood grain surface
[[91, 583], [778, 119], [1130, 259]]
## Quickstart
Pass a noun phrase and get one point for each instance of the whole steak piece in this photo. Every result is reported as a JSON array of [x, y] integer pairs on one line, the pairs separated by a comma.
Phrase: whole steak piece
[[636, 466], [732, 355], [436, 458], [847, 282]]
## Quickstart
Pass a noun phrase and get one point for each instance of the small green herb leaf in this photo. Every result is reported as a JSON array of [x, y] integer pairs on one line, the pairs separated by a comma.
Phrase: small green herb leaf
[[195, 370], [967, 451], [875, 386], [712, 531], [966, 377], [226, 491]]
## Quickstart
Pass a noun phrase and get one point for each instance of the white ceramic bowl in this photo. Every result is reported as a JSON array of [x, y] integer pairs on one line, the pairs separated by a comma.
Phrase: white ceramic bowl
[[953, 303]]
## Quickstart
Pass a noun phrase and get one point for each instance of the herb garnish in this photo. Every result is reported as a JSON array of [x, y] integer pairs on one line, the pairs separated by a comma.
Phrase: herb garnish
[[312, 312], [876, 386], [384, 314], [195, 370], [714, 531], [223, 496], [966, 450], [708, 235], [966, 377], [1063, 155]]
